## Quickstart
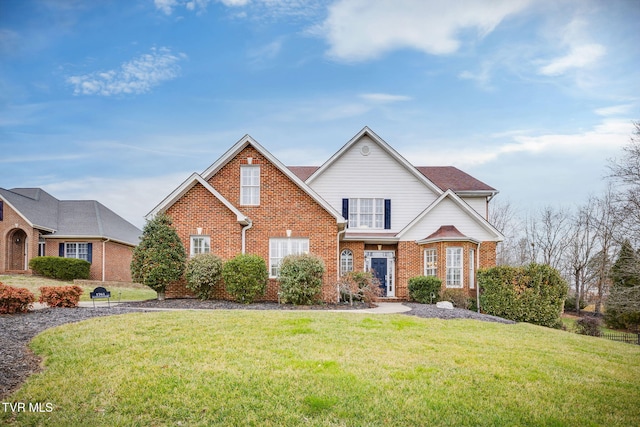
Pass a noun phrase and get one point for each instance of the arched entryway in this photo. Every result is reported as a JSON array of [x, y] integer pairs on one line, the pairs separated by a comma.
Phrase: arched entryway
[[17, 250]]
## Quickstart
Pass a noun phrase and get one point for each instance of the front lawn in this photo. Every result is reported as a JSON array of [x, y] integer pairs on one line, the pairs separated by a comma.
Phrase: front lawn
[[317, 368], [124, 291]]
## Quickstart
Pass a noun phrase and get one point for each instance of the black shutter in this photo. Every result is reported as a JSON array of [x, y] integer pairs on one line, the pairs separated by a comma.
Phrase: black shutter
[[90, 252], [387, 214], [1, 209], [61, 250], [345, 209]]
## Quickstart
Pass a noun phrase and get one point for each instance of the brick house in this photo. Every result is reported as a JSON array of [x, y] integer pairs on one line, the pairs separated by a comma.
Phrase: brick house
[[366, 208], [34, 223]]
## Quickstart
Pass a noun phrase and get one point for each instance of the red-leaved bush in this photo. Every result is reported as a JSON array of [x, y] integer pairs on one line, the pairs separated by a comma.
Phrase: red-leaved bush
[[60, 296], [15, 300]]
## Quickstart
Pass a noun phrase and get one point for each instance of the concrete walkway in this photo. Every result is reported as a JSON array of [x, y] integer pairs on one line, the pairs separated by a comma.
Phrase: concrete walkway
[[382, 308]]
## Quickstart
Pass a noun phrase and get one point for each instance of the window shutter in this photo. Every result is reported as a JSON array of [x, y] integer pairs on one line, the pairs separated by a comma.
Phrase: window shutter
[[1, 208], [345, 209], [90, 252], [61, 250], [387, 214]]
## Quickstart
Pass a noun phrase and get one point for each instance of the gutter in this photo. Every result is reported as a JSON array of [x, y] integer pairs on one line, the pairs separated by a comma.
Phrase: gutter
[[244, 235]]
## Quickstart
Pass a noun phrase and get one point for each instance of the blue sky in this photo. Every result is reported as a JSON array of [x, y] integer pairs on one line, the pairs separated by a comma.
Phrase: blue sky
[[120, 101]]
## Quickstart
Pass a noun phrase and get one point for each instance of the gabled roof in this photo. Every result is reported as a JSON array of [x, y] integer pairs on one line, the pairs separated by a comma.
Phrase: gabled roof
[[69, 218], [303, 172], [187, 185], [450, 194], [387, 148], [452, 178], [247, 140]]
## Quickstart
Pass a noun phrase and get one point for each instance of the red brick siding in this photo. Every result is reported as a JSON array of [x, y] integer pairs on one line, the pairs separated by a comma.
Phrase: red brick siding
[[283, 206], [12, 221]]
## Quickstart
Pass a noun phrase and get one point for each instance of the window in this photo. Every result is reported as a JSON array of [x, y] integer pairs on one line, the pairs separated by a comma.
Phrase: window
[[454, 267], [472, 269], [200, 245], [77, 250], [250, 185], [346, 261], [430, 262], [366, 213], [280, 248], [41, 246]]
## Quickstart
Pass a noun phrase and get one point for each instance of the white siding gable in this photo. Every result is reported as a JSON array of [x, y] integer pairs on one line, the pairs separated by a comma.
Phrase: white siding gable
[[374, 174], [479, 204], [447, 212]]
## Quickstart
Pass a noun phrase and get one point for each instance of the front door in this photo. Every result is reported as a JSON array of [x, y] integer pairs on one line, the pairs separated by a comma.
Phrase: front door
[[379, 267], [17, 250]]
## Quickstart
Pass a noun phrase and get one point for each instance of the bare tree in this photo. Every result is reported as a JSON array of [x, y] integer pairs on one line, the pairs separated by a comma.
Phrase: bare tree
[[502, 216], [581, 245], [549, 234]]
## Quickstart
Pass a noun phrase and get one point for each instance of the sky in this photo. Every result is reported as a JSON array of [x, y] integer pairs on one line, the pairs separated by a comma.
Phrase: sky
[[120, 101]]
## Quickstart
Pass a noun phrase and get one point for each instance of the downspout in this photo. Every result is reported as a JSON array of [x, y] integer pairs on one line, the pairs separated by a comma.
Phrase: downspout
[[476, 279], [244, 235], [104, 257], [338, 269]]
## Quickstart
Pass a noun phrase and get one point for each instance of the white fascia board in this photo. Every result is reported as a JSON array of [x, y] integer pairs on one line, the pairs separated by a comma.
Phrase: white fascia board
[[464, 206], [448, 239], [188, 185], [32, 225], [387, 148], [248, 140]]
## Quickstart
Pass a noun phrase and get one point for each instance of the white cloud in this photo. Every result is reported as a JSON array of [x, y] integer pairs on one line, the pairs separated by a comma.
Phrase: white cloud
[[359, 30], [384, 97], [168, 6], [137, 76], [614, 110]]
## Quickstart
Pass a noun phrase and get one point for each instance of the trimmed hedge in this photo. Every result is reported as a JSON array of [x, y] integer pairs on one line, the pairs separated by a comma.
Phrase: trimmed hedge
[[60, 296], [300, 279], [245, 277], [533, 294], [60, 268], [203, 273], [422, 287], [458, 297], [15, 300]]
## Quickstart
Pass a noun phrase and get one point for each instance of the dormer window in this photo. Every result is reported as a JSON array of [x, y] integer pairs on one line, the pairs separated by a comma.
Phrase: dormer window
[[250, 185]]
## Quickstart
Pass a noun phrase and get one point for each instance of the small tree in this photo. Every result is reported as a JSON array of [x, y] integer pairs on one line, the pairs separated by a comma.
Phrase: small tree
[[300, 279], [623, 304], [360, 286], [245, 277], [160, 257], [204, 271]]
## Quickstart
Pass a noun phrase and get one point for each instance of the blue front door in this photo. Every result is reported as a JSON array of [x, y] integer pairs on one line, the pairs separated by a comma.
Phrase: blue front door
[[379, 267]]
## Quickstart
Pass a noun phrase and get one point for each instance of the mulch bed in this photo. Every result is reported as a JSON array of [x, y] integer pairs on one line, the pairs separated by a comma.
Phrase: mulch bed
[[17, 362]]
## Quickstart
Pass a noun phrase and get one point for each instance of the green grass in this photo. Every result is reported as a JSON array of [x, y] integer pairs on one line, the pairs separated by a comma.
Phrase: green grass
[[125, 291], [315, 368]]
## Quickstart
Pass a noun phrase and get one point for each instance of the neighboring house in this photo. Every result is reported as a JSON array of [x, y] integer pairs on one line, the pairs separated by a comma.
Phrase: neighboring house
[[366, 208], [34, 223]]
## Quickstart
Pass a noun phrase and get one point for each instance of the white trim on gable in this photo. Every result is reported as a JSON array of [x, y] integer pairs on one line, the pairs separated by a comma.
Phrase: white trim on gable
[[464, 206], [29, 223], [248, 140], [387, 148], [187, 185]]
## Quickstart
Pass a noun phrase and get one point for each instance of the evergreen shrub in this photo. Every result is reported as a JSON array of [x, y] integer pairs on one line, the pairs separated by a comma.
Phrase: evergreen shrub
[[300, 279], [204, 272], [421, 289], [60, 268], [245, 277]]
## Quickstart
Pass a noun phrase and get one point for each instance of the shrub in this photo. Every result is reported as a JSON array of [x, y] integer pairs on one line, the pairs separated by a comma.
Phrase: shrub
[[60, 296], [623, 308], [588, 325], [458, 297], [245, 277], [300, 279], [570, 303], [203, 272], [359, 286], [533, 294], [421, 289], [60, 268], [160, 258], [15, 300]]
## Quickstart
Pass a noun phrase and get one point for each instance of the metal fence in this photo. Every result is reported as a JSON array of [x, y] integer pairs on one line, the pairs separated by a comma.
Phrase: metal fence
[[628, 338]]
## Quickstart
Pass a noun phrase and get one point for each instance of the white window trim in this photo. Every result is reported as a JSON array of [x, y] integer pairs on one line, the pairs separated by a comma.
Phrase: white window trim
[[459, 267], [472, 269], [287, 244], [76, 253], [192, 245], [346, 261], [356, 215], [248, 197], [431, 265]]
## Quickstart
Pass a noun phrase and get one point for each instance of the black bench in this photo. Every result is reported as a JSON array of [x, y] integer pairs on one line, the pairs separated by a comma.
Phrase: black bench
[[100, 293]]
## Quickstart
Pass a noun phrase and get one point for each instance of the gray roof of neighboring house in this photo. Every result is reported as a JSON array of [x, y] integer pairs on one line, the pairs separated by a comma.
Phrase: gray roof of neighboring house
[[75, 218]]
